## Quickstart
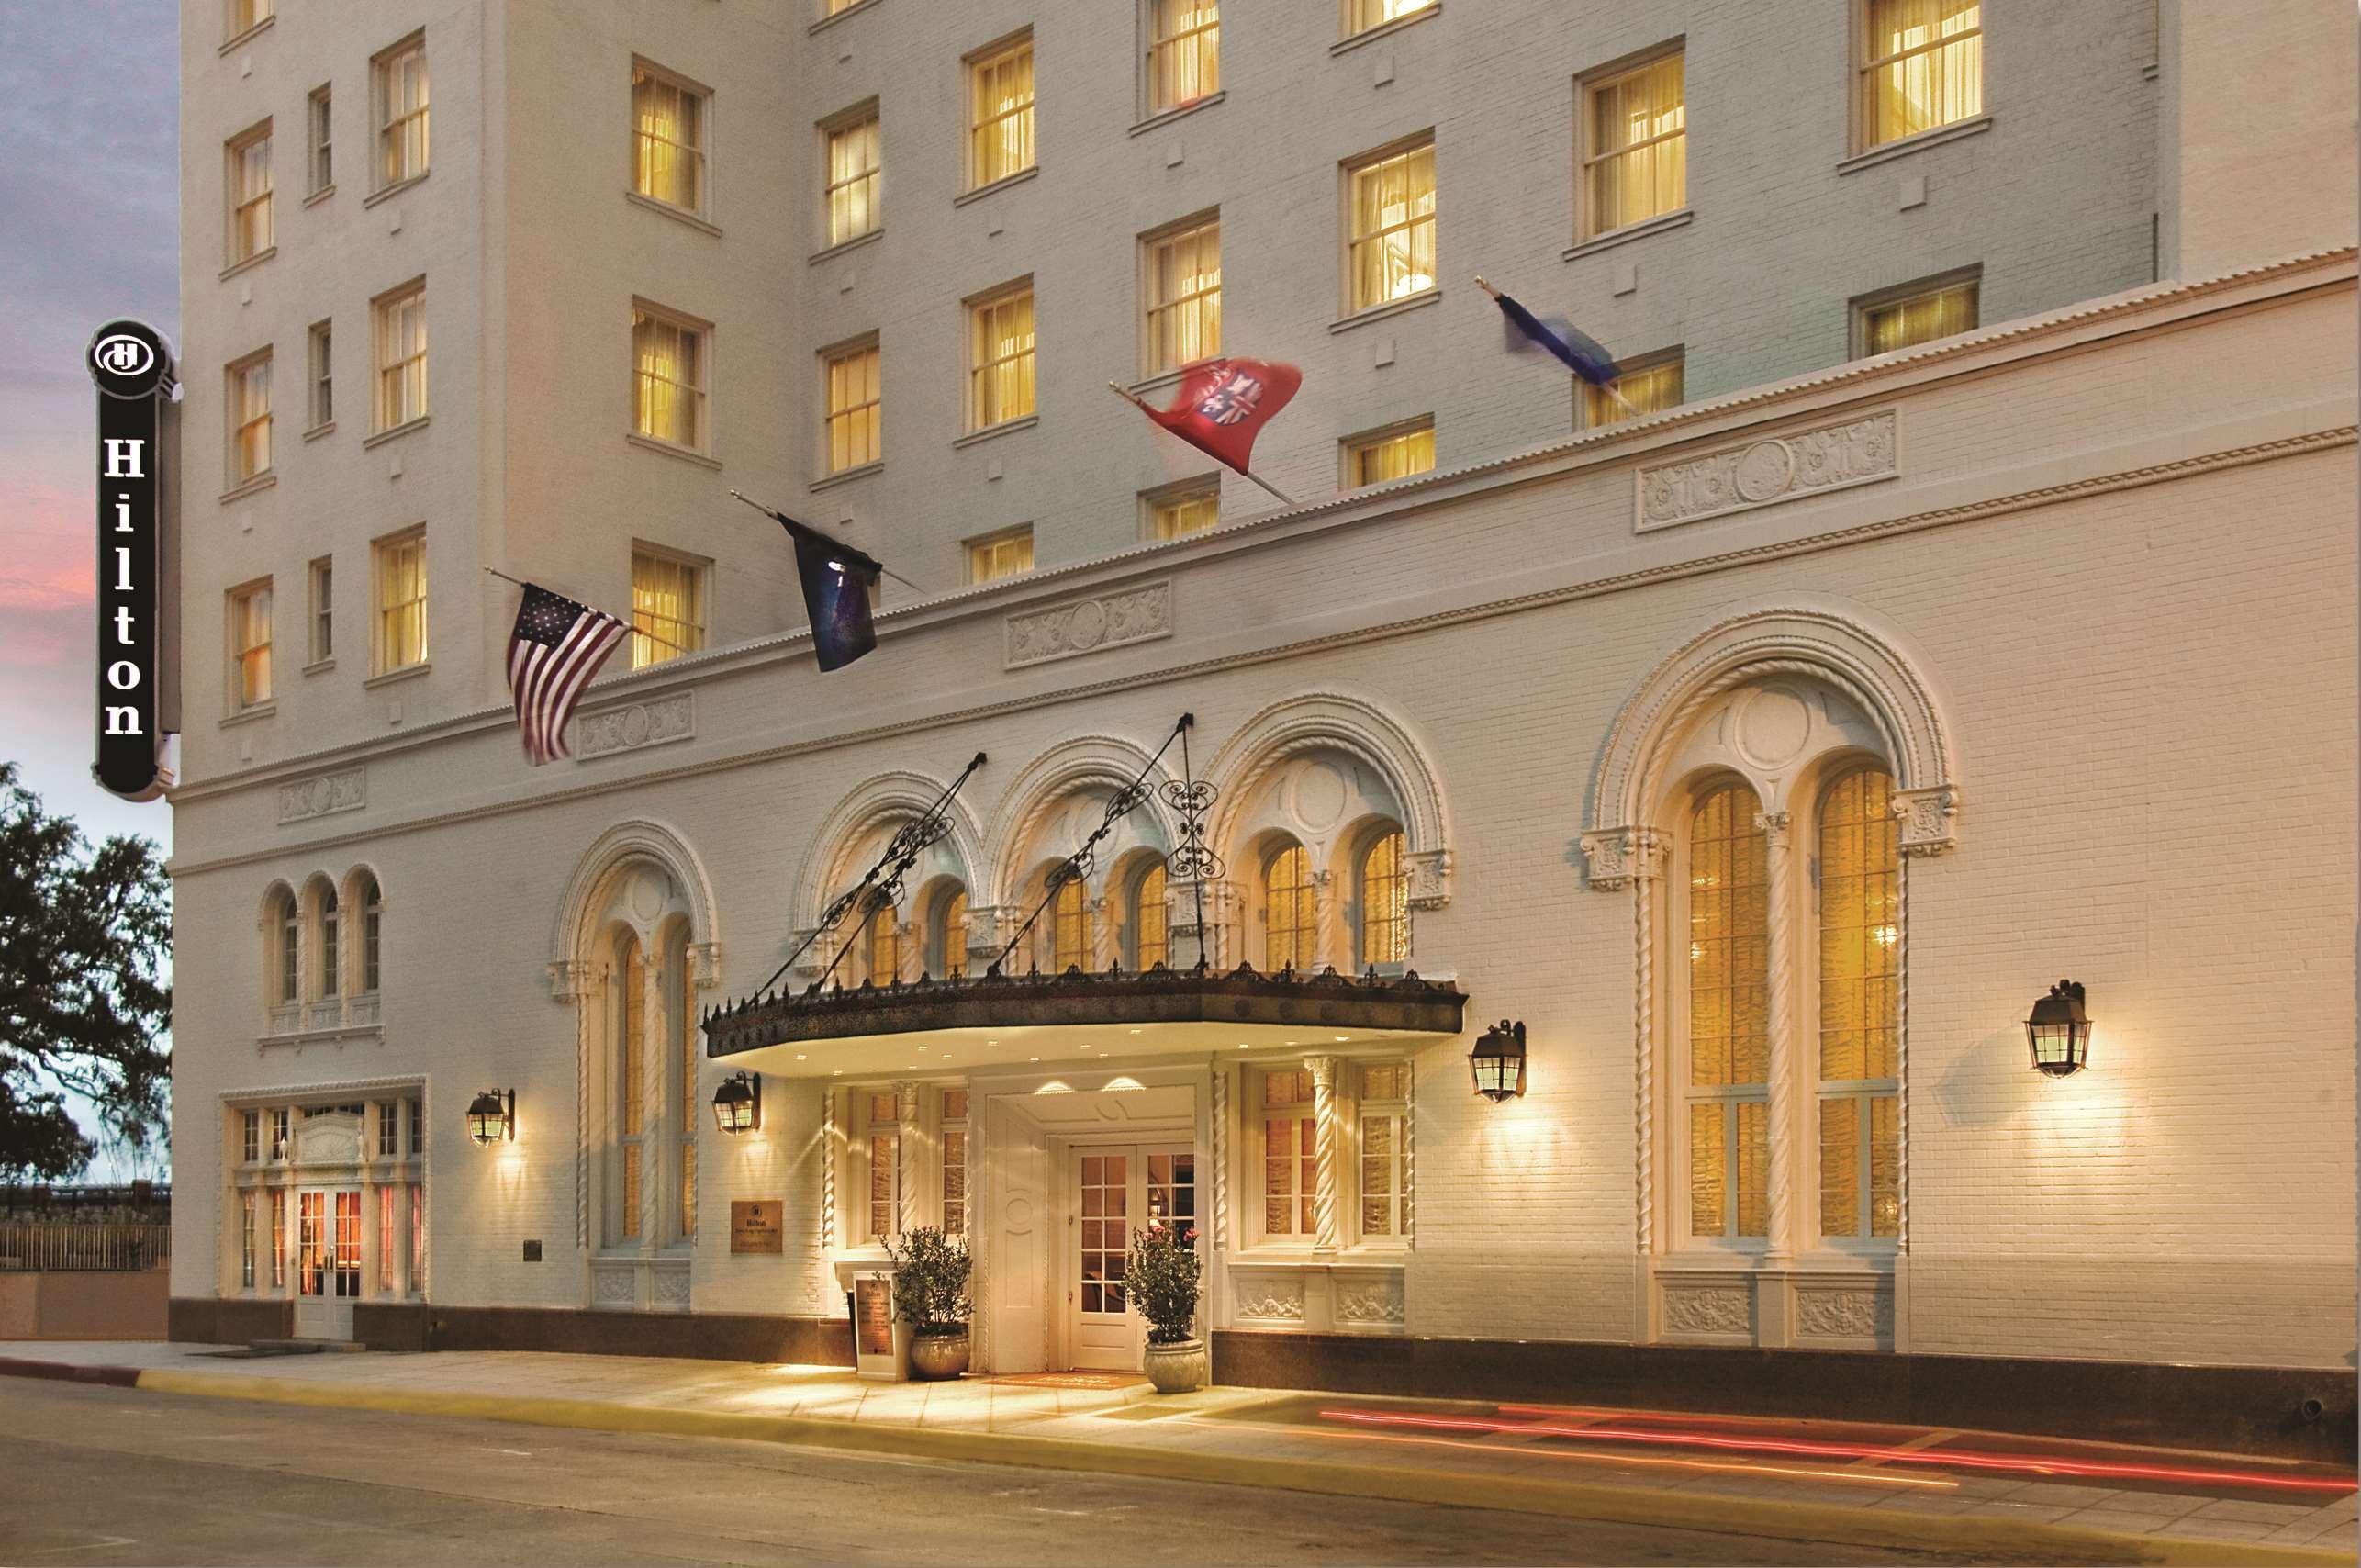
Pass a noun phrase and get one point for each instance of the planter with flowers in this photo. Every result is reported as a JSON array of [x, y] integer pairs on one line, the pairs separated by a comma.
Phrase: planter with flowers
[[931, 1272], [1163, 1275]]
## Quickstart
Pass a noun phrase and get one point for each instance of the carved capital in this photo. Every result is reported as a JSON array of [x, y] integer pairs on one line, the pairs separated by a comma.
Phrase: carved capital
[[569, 978], [1928, 818], [1618, 857], [704, 964], [1773, 825], [1429, 871]]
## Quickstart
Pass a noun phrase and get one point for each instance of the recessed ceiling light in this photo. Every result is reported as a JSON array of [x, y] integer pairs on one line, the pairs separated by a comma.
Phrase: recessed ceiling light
[[798, 1056], [1032, 1059], [1134, 1031], [1340, 1040], [1241, 1045]]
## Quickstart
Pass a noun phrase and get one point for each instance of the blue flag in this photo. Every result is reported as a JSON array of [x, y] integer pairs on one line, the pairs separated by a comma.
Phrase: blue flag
[[836, 583], [1557, 338]]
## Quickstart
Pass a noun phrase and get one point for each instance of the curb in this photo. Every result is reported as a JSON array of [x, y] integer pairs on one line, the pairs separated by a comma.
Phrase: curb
[[1744, 1516], [66, 1371]]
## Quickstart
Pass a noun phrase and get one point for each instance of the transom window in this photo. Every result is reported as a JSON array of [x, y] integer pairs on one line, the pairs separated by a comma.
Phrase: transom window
[[668, 379], [1000, 358], [1000, 114], [856, 407], [1644, 387], [1914, 316], [400, 571], [400, 320], [1183, 53], [250, 194], [1389, 454], [1290, 1156], [998, 555], [1384, 901], [250, 418], [1184, 298], [855, 179], [398, 81], [1860, 985], [1391, 254], [1635, 162], [249, 644], [667, 606], [1922, 66], [667, 140], [1289, 911], [1729, 1089]]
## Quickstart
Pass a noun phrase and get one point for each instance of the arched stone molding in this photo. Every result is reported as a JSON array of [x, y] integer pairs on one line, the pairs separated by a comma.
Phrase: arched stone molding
[[1019, 837], [1841, 644], [888, 797], [588, 890]]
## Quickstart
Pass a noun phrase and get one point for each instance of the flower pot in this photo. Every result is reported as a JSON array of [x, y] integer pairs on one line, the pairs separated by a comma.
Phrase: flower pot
[[936, 1357], [1177, 1369]]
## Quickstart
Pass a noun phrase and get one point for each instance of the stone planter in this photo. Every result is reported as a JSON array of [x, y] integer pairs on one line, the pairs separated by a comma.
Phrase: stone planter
[[1177, 1369], [934, 1358]]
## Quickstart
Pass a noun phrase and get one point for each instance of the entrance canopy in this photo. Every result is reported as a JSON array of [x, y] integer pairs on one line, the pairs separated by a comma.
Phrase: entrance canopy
[[997, 1020]]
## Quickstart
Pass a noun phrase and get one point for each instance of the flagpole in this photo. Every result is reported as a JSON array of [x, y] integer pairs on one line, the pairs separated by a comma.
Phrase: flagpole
[[1622, 402], [882, 567], [1141, 404], [636, 631]]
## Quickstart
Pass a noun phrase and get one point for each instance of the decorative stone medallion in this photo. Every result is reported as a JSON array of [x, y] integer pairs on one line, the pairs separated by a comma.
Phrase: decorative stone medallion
[[1086, 625], [1767, 471]]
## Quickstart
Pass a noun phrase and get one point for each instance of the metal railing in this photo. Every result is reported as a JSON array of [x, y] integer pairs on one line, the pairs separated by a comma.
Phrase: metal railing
[[35, 1247]]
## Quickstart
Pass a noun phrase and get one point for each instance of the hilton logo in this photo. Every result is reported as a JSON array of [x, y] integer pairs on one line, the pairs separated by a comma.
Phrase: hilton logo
[[133, 367]]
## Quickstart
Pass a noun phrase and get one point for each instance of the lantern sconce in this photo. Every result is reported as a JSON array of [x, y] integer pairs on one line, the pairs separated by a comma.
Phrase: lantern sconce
[[1498, 1061], [2058, 1031], [738, 1104], [492, 1117]]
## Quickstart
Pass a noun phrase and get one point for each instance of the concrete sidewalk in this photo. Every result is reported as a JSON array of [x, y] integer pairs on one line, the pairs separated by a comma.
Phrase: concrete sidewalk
[[2209, 1508]]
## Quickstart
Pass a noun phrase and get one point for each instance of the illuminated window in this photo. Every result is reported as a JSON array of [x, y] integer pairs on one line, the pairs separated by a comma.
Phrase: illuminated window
[[321, 343], [832, 6], [250, 194], [319, 125], [1000, 555], [668, 377], [855, 167], [1190, 507], [1183, 53], [1728, 1082], [1289, 911], [1922, 66], [1920, 315], [954, 1162], [1391, 254], [1644, 387], [400, 323], [1362, 15], [1149, 938], [386, 1250], [1861, 953], [947, 933], [1385, 1151], [249, 645], [278, 1239], [856, 407], [1000, 357], [1073, 936], [1290, 1156], [1384, 901], [1392, 454], [246, 1208], [280, 1119], [884, 1144], [1634, 156], [397, 80], [324, 609], [250, 418], [244, 16], [667, 139], [399, 566], [1000, 114], [630, 993], [667, 606], [418, 1237], [884, 946], [1184, 296]]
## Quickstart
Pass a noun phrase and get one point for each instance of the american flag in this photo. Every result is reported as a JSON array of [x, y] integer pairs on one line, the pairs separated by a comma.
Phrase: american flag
[[557, 646]]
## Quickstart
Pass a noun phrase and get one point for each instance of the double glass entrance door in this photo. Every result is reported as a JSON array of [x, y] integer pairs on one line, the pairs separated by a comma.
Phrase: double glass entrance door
[[1117, 1191], [328, 1260]]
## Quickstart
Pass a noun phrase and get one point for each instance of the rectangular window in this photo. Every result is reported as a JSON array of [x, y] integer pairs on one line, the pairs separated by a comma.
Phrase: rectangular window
[[1000, 113], [667, 139], [389, 1132], [884, 1145], [1635, 153], [247, 1238], [668, 377], [1919, 314], [1362, 15], [245, 16], [323, 612], [1647, 386], [399, 567], [954, 1162], [1921, 67], [1000, 357], [1387, 455], [278, 1240], [1390, 252], [856, 407], [999, 555], [250, 1134], [249, 192], [417, 1238], [397, 79], [249, 645], [667, 606], [319, 124], [385, 1239], [400, 319], [1190, 507], [855, 178], [1384, 1150], [1184, 295], [279, 1120], [250, 418], [1290, 1156], [1184, 51], [321, 357]]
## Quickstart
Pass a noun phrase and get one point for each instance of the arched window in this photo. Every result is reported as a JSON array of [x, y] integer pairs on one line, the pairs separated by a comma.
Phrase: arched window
[[1149, 942], [1289, 911], [630, 1080], [1070, 936], [685, 1118], [287, 985], [949, 937], [371, 912], [1384, 901], [1728, 1086], [1860, 973], [331, 929], [884, 946]]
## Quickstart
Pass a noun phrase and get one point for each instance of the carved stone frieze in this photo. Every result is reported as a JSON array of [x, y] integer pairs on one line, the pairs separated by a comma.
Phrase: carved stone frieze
[[1851, 1314], [1086, 625], [634, 725], [1707, 1309], [1765, 472], [346, 790], [1369, 1304], [1269, 1299]]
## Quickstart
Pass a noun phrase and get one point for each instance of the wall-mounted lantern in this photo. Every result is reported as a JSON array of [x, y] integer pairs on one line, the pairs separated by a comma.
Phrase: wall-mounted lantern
[[2059, 1031], [1498, 1061], [492, 1116], [738, 1104]]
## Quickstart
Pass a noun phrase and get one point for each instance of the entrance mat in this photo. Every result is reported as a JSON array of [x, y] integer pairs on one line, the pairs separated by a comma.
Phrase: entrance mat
[[1066, 1380]]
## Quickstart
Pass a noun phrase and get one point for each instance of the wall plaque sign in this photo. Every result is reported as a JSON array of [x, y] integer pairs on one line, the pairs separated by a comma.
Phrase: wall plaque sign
[[873, 1314], [758, 1225]]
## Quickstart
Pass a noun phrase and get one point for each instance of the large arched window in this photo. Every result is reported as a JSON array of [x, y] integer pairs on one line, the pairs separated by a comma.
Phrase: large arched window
[[1728, 1086], [1859, 981], [1071, 939], [1384, 896], [1149, 942], [371, 917], [1289, 911], [287, 942], [883, 941], [946, 937], [332, 945], [630, 1098]]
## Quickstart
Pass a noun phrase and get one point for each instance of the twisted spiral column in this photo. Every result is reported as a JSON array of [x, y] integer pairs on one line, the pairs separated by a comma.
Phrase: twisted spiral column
[[1221, 1116], [1324, 1205], [1409, 1136], [1779, 1243], [1643, 1047], [1902, 1053], [827, 1168]]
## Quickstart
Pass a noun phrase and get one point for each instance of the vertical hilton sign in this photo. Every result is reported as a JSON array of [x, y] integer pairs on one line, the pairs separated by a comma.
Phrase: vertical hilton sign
[[132, 365]]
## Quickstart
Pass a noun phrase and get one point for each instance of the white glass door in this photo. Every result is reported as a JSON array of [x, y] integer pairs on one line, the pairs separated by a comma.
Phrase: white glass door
[[327, 1261], [1117, 1191]]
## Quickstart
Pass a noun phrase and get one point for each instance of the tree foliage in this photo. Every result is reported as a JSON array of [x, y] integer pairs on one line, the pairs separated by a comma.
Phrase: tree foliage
[[85, 1007]]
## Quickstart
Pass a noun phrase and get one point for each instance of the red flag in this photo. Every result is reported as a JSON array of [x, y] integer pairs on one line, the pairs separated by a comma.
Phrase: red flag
[[1225, 403]]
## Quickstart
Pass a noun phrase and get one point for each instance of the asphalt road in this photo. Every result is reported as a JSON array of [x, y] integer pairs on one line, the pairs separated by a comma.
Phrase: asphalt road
[[105, 1476]]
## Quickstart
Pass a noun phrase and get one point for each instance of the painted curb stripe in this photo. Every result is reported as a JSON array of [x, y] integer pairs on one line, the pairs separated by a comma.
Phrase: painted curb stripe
[[1741, 1516]]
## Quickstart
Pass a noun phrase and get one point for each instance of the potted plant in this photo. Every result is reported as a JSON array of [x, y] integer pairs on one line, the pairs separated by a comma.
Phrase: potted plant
[[930, 1293], [1162, 1275]]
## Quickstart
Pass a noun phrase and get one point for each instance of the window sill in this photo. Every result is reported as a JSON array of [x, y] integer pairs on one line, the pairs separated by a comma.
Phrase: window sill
[[394, 677], [980, 192], [320, 1036], [855, 9], [250, 715], [1919, 143], [389, 191], [235, 40], [1272, 1255], [855, 244], [1630, 232], [397, 433], [317, 431], [1425, 297], [250, 263], [678, 214], [650, 444], [319, 667], [1006, 427], [321, 195], [1178, 111], [245, 487], [846, 476], [1385, 29]]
